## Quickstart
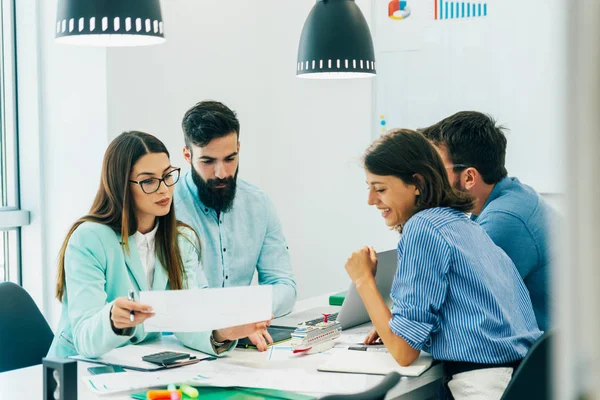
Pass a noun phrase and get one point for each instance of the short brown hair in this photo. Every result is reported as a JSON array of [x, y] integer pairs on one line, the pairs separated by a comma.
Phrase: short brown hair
[[473, 139], [408, 155]]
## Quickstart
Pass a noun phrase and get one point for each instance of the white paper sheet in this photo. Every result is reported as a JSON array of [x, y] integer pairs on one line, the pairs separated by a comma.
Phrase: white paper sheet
[[215, 373], [355, 336], [130, 356], [127, 356], [286, 353], [125, 381], [367, 362], [199, 310]]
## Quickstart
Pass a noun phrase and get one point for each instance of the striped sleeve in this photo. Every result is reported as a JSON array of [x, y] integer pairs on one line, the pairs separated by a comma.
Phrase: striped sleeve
[[420, 285]]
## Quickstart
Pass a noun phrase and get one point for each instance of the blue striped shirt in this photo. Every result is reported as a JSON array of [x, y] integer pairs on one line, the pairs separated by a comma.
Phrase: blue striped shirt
[[457, 295]]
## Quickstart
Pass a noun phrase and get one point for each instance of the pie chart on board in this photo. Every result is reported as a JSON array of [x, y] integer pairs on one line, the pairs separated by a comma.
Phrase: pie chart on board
[[398, 9]]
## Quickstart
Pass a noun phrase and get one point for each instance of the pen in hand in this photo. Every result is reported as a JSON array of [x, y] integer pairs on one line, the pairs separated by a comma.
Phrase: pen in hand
[[377, 348], [130, 298]]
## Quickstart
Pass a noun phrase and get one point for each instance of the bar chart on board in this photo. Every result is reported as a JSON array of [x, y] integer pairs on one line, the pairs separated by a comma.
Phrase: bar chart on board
[[444, 9]]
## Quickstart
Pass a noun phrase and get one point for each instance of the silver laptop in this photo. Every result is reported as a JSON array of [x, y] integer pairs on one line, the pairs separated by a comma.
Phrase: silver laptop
[[353, 311]]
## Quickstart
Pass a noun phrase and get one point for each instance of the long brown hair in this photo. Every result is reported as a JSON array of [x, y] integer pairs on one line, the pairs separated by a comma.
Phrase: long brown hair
[[408, 155], [114, 207]]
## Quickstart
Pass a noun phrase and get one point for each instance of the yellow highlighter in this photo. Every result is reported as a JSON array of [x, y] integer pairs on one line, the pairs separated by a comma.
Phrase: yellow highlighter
[[189, 391]]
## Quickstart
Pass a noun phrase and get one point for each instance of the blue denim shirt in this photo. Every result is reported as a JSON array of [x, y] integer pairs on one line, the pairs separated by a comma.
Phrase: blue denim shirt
[[518, 220], [245, 239]]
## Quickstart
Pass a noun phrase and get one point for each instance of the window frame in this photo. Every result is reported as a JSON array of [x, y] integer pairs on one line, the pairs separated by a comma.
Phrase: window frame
[[12, 217]]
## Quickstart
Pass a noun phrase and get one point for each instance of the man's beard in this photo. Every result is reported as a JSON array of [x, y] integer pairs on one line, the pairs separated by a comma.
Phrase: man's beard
[[457, 185], [219, 199]]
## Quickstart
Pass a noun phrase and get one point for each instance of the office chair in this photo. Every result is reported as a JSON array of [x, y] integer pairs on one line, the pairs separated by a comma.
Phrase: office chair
[[531, 380], [377, 392], [25, 336]]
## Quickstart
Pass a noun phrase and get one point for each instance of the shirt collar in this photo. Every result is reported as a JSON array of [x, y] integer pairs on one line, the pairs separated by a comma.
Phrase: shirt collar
[[141, 238], [498, 188]]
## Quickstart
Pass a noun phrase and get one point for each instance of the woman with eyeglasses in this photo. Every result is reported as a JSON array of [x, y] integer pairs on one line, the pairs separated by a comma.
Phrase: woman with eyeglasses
[[129, 241], [456, 294]]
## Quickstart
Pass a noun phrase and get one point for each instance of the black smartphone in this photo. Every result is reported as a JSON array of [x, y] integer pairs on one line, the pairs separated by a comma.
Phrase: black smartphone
[[105, 369], [165, 358]]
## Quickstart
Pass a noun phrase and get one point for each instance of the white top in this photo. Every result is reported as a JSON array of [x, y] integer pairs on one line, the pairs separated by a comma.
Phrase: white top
[[147, 251]]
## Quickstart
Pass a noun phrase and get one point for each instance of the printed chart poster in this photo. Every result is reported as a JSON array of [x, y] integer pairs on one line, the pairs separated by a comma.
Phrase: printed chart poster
[[404, 25]]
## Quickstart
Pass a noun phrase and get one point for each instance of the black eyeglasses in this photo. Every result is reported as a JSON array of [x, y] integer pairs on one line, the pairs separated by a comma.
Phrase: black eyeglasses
[[151, 185]]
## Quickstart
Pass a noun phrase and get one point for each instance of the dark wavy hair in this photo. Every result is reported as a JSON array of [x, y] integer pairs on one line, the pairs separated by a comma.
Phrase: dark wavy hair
[[408, 155], [208, 120]]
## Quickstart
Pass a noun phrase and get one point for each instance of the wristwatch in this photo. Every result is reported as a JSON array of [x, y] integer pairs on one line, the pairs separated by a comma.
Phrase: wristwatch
[[220, 347], [214, 342]]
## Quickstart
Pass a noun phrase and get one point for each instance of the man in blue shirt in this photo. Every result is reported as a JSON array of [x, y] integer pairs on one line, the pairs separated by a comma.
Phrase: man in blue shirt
[[473, 149], [239, 230]]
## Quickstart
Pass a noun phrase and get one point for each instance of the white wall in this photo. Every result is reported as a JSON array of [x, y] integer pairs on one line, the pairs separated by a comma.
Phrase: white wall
[[301, 139], [63, 134], [509, 64]]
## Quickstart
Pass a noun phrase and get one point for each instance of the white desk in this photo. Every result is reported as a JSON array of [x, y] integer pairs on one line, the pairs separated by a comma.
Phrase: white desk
[[29, 381]]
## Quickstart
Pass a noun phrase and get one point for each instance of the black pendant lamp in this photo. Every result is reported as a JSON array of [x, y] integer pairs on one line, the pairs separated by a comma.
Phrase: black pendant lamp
[[109, 22], [335, 43]]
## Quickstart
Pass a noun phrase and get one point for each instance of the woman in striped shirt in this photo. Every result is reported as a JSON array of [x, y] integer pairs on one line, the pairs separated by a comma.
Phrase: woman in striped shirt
[[456, 294]]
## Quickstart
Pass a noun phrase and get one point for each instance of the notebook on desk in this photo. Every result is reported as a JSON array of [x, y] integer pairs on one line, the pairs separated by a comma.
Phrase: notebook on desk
[[376, 363]]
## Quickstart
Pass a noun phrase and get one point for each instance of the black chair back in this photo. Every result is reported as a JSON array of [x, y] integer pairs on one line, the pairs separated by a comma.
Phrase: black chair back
[[25, 336], [531, 380], [375, 393]]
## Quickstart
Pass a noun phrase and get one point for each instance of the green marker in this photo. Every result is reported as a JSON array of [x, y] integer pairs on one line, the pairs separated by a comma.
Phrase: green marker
[[188, 390]]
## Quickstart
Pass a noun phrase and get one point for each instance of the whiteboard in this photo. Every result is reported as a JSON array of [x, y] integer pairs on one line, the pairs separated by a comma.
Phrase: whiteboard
[[510, 63]]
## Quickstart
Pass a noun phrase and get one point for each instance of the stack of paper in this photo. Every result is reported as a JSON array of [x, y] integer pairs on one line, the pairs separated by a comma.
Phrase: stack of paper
[[290, 379], [221, 374]]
